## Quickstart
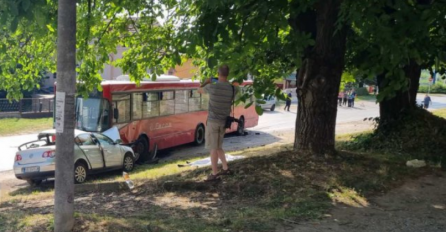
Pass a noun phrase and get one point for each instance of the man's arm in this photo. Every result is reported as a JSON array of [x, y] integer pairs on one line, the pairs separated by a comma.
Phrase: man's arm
[[201, 89]]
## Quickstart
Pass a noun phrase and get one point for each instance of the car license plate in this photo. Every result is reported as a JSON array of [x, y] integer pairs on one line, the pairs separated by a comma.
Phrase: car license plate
[[31, 169]]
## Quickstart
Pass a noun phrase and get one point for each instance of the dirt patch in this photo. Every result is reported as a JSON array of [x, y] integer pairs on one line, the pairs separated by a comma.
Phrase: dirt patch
[[419, 205]]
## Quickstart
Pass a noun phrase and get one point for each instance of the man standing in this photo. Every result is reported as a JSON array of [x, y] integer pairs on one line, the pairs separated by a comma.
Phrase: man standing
[[353, 97], [427, 100], [288, 101], [221, 95], [340, 97], [344, 100]]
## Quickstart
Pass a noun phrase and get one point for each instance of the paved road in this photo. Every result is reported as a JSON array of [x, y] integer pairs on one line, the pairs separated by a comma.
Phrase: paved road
[[269, 130]]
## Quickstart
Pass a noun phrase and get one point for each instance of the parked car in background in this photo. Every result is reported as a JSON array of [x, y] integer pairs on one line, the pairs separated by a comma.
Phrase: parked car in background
[[270, 103], [94, 152]]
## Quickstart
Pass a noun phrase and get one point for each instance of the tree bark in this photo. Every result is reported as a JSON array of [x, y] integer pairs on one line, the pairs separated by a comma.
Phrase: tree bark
[[66, 73], [318, 84], [391, 109]]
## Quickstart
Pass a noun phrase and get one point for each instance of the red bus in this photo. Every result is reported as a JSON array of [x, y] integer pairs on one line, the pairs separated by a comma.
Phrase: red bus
[[154, 115]]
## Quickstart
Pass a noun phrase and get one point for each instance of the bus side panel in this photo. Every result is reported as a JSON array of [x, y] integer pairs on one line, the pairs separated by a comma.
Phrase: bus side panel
[[251, 116], [168, 131]]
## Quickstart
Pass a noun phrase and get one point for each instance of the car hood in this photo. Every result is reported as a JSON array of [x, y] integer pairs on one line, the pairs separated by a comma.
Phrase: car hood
[[112, 133]]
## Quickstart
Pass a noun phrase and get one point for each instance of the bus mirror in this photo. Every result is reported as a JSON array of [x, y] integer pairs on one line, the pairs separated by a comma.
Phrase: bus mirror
[[116, 113]]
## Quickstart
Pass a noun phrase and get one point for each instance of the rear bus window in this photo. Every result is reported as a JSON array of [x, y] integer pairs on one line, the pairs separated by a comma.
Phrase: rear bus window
[[194, 100]]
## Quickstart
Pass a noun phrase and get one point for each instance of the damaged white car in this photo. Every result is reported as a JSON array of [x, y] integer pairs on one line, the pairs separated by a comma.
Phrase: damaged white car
[[93, 153]]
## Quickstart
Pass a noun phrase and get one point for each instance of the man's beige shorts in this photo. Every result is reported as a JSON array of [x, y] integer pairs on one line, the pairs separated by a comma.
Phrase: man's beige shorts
[[215, 132]]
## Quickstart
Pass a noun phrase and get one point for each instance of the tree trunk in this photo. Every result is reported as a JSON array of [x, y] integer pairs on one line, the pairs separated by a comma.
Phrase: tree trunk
[[390, 109], [318, 84], [66, 73]]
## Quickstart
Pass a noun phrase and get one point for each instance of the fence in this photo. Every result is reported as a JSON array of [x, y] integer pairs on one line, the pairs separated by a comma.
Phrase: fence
[[27, 108]]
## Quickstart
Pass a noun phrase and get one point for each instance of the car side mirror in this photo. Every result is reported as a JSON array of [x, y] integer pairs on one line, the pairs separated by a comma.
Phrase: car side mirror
[[116, 113], [118, 141]]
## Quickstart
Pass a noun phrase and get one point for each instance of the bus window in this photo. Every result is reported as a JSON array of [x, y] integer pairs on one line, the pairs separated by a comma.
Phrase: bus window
[[167, 103], [121, 102], [137, 100], [194, 100], [150, 106], [181, 101]]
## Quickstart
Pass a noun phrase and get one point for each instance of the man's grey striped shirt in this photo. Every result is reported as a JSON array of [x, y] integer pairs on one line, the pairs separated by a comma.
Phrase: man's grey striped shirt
[[220, 100]]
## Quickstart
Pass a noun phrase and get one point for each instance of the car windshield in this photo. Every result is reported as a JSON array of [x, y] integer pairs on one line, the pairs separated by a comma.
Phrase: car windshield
[[92, 114]]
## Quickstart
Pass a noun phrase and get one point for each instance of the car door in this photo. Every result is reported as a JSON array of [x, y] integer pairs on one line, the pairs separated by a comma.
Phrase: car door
[[90, 149], [112, 152]]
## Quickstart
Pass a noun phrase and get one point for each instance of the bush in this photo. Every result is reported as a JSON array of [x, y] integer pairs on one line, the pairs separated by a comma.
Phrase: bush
[[362, 91], [418, 134], [437, 88]]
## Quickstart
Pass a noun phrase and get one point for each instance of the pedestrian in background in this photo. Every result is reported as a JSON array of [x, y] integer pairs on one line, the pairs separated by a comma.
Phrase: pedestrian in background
[[340, 97], [427, 101], [349, 99], [353, 97], [344, 100], [288, 101]]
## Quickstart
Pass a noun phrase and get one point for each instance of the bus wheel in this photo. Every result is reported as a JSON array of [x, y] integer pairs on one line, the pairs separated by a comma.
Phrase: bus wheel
[[199, 135], [241, 126], [142, 148]]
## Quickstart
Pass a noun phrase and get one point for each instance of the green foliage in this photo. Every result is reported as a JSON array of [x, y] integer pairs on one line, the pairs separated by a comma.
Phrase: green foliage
[[28, 41], [346, 79], [252, 38], [27, 47], [387, 36]]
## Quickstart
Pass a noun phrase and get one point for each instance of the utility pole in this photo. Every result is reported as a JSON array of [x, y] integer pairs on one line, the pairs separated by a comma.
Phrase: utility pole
[[66, 75]]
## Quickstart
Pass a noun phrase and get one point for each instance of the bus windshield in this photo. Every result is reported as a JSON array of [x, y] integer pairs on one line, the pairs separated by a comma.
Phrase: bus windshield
[[92, 114]]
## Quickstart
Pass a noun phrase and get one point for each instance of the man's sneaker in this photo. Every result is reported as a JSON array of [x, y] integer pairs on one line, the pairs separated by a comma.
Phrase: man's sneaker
[[212, 178], [226, 172]]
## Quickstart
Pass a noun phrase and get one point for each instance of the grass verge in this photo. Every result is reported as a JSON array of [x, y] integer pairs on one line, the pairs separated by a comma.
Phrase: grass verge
[[440, 113], [272, 186], [16, 126], [366, 98]]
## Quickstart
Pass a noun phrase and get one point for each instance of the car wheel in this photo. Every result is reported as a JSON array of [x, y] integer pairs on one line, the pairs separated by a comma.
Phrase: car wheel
[[241, 126], [80, 173], [129, 162], [34, 182], [142, 148], [199, 135], [273, 107]]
